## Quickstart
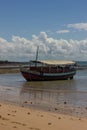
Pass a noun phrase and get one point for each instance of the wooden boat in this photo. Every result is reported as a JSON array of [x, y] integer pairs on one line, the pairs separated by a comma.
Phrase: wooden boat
[[43, 70]]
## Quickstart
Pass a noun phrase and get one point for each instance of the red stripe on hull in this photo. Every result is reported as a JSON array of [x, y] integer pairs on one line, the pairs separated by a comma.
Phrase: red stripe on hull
[[35, 77]]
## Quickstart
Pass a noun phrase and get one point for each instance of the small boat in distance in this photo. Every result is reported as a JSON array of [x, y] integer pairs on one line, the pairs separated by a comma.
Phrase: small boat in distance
[[45, 70]]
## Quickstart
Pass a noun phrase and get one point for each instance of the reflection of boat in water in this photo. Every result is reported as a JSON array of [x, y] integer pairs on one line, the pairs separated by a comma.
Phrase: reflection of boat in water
[[43, 70], [49, 70], [48, 94]]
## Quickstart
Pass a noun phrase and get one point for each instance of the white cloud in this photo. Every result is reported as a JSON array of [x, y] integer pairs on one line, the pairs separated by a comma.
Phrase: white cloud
[[79, 26], [62, 31], [22, 49]]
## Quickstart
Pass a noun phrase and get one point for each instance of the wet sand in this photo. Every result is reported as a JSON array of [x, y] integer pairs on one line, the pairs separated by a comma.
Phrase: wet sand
[[20, 118], [64, 97]]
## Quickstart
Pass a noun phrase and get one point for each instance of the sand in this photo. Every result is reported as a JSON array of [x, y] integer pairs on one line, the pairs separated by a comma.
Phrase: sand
[[6, 71], [14, 117]]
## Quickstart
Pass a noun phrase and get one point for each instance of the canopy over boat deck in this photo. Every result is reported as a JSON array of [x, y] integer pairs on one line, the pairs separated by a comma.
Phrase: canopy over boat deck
[[54, 62]]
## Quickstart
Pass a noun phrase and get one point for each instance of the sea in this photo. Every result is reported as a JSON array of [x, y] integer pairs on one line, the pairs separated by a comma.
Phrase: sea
[[61, 96]]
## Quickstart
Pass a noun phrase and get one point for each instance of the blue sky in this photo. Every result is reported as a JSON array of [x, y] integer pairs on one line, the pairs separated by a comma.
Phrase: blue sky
[[54, 25]]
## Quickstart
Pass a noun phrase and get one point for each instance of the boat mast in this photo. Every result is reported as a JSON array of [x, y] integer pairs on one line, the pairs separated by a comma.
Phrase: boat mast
[[37, 55]]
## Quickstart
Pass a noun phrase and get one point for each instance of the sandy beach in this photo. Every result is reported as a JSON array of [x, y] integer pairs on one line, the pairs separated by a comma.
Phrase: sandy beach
[[20, 118]]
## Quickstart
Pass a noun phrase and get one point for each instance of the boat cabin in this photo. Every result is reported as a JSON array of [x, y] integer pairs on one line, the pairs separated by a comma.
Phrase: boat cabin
[[52, 66]]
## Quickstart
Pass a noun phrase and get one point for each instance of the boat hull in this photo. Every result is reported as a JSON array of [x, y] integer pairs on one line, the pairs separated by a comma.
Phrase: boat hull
[[31, 76]]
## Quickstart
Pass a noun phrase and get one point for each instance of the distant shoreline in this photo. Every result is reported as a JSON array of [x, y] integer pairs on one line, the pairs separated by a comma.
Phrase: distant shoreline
[[9, 70], [16, 69], [10, 67]]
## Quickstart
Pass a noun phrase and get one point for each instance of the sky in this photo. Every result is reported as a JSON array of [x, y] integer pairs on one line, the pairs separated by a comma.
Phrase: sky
[[58, 27]]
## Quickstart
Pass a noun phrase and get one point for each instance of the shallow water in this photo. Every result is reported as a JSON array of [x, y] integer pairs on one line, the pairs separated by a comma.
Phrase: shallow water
[[64, 96]]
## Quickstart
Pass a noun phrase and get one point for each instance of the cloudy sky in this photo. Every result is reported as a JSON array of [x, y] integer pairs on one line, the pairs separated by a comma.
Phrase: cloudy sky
[[58, 27]]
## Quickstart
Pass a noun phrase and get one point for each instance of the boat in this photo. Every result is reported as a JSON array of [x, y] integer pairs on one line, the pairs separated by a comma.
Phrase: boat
[[46, 70]]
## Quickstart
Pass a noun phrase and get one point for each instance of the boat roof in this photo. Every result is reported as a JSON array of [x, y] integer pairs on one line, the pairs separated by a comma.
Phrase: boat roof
[[55, 62]]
